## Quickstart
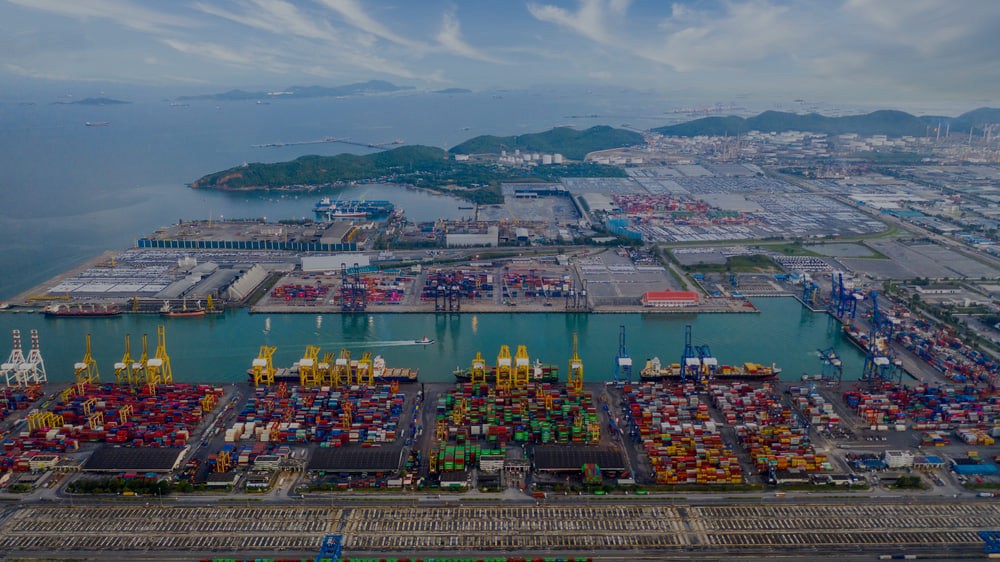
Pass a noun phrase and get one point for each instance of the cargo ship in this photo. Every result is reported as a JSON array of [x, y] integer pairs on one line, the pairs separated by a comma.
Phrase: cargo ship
[[655, 371], [382, 374], [83, 311], [169, 312], [537, 371]]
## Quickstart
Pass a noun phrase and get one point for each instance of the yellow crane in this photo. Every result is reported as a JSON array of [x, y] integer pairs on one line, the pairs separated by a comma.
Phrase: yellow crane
[[263, 366], [139, 367], [477, 374], [209, 303], [86, 369], [158, 368], [326, 368], [504, 368], [364, 373], [522, 367], [574, 380], [309, 367], [123, 368], [342, 369]]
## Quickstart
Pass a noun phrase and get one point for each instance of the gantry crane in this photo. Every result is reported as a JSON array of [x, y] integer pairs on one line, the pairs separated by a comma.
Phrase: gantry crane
[[139, 367], [503, 374], [623, 363], [477, 373], [309, 368], [574, 378], [342, 368], [709, 364], [86, 369], [522, 367], [158, 369], [690, 364], [833, 367], [263, 366], [364, 374], [881, 365], [35, 362], [123, 368], [325, 367]]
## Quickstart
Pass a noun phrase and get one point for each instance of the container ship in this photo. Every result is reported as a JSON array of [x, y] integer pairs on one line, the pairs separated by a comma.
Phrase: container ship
[[537, 371], [333, 209], [380, 372], [655, 371], [83, 311]]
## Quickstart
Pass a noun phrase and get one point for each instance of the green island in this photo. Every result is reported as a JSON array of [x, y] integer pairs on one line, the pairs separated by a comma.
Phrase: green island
[[477, 180]]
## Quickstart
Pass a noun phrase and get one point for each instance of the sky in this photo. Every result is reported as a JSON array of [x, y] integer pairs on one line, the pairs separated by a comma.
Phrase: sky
[[878, 50]]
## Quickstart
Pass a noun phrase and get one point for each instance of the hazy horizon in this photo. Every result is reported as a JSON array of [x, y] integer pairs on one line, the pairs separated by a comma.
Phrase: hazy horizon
[[885, 53]]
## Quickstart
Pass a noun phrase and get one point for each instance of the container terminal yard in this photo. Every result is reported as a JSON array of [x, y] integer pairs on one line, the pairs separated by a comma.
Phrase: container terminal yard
[[516, 458], [519, 457]]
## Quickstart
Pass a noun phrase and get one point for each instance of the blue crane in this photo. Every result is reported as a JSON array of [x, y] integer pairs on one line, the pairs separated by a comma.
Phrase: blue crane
[[810, 293], [833, 367], [623, 363], [881, 365], [689, 359], [709, 364]]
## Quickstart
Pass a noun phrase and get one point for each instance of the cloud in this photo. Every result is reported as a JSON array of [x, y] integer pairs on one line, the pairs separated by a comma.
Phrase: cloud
[[450, 37], [274, 16], [127, 14], [746, 32], [355, 15], [589, 20], [211, 51]]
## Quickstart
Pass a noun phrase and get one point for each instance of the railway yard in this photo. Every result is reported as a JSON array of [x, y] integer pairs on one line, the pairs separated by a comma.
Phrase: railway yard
[[607, 532]]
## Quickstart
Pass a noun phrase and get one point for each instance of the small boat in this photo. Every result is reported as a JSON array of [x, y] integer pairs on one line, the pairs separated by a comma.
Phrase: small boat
[[423, 341]]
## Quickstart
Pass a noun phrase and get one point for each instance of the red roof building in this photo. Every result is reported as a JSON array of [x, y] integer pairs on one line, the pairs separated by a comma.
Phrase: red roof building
[[670, 299]]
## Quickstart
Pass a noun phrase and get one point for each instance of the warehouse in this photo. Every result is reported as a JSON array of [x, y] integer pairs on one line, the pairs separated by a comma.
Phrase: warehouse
[[669, 299]]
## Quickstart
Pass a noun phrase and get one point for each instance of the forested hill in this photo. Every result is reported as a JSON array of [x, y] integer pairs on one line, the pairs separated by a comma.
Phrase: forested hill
[[569, 142]]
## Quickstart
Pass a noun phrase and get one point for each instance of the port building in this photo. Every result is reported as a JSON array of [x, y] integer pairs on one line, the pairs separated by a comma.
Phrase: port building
[[669, 299]]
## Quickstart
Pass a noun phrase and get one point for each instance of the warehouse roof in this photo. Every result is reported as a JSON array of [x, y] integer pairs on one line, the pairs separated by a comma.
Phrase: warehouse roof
[[355, 459], [118, 459], [557, 458]]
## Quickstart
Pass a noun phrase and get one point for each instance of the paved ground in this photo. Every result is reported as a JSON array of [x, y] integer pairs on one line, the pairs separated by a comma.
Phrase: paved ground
[[608, 530]]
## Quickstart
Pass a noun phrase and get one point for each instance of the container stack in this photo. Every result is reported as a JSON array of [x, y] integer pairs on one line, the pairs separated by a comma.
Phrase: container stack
[[683, 445], [538, 413], [325, 415], [814, 407], [769, 430]]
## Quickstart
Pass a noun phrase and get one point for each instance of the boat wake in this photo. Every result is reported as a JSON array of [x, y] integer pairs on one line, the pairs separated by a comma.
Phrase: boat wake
[[386, 343]]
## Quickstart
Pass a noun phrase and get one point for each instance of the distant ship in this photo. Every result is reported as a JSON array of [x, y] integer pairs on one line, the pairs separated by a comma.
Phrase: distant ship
[[83, 311], [337, 209], [97, 123]]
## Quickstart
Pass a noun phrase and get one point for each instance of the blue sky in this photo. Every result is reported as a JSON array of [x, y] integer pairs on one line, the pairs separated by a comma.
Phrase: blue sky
[[879, 50]]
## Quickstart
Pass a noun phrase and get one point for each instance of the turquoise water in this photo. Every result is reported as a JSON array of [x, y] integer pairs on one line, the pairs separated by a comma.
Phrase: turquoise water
[[220, 349]]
